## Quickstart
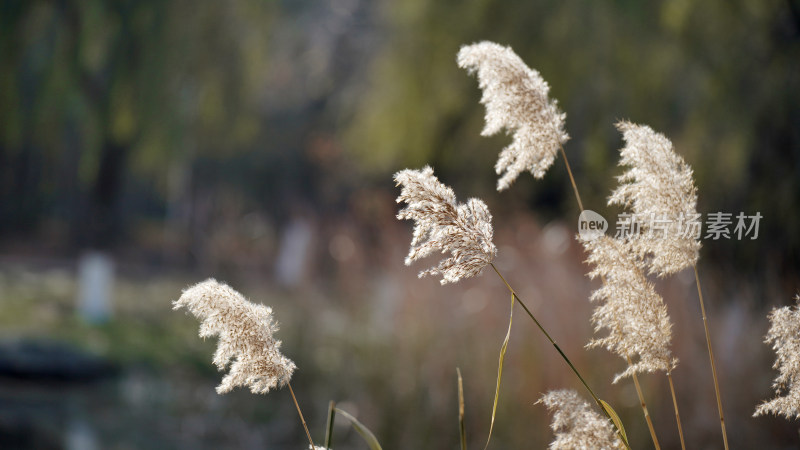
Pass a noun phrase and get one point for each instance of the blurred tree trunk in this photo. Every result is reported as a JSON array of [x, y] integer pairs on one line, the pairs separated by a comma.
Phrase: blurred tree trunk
[[105, 224], [101, 224]]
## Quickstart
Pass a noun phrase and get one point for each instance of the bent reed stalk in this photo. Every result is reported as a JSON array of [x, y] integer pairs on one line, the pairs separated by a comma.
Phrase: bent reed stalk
[[564, 357]]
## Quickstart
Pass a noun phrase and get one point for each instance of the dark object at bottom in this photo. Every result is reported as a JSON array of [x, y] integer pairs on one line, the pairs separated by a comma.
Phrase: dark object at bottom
[[46, 360]]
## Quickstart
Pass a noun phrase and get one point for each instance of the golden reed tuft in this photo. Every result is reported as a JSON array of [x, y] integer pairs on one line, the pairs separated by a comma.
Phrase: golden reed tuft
[[784, 335], [463, 230], [516, 98], [246, 341], [577, 425], [659, 188], [629, 309]]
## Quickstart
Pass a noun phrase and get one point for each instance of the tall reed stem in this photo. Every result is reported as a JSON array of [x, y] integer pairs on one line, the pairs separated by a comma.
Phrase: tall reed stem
[[644, 407], [675, 405], [571, 178], [563, 356], [711, 357], [461, 428], [296, 405]]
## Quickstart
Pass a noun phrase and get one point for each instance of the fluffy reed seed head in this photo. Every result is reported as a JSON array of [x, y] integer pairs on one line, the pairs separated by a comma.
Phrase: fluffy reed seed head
[[658, 186], [784, 335], [516, 98], [463, 230], [245, 333], [577, 425], [634, 315]]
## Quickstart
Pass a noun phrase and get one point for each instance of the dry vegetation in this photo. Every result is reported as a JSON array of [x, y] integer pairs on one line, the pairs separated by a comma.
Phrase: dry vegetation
[[386, 346]]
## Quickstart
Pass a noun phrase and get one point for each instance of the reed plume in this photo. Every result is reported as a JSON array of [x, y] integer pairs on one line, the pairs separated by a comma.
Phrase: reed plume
[[246, 341], [629, 309], [517, 99], [463, 230], [784, 335], [577, 425], [659, 188]]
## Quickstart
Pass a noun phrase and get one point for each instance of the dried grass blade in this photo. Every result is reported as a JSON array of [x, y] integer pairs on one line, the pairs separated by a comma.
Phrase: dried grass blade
[[503, 349], [617, 421]]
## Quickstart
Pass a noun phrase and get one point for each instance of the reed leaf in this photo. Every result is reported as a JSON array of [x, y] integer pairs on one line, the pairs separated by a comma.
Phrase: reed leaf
[[503, 349], [329, 428], [617, 421], [367, 435]]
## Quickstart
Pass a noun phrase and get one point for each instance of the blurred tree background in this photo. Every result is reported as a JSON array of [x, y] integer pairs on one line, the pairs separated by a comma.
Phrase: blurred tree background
[[191, 136], [122, 117], [720, 78]]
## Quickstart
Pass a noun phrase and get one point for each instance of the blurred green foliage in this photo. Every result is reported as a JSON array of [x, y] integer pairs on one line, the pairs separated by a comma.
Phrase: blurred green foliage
[[720, 78], [115, 112], [97, 93]]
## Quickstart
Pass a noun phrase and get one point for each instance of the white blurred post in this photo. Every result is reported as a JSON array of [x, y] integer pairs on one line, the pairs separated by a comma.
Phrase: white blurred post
[[96, 279], [294, 250], [80, 436]]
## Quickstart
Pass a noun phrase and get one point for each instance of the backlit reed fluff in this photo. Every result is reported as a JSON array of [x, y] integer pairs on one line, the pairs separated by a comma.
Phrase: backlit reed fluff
[[784, 335], [516, 98], [629, 309], [245, 333], [577, 425], [441, 224], [659, 188]]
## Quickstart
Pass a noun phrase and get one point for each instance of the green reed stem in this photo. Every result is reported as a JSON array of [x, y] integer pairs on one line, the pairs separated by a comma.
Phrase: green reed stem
[[329, 429], [563, 356]]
